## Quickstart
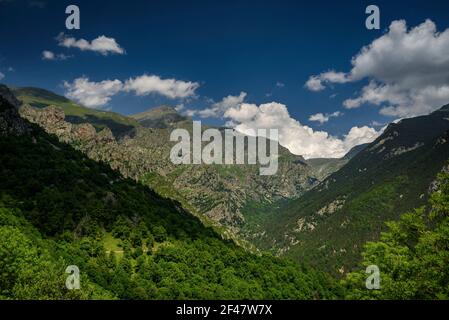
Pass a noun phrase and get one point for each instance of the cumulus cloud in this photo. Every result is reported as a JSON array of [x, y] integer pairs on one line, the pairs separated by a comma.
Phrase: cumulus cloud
[[171, 88], [96, 94], [407, 68], [101, 44], [245, 112], [48, 55], [218, 109], [92, 94], [298, 138], [322, 118], [316, 83], [2, 76]]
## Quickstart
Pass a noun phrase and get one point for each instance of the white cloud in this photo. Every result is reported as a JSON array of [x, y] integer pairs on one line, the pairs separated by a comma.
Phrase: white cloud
[[314, 84], [189, 113], [298, 138], [2, 76], [101, 44], [171, 88], [48, 55], [96, 94], [218, 109], [322, 118], [92, 94], [377, 123], [408, 71], [245, 112], [280, 84]]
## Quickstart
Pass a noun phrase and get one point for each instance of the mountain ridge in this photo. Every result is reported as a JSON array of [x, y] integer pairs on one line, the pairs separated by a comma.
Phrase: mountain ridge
[[160, 117], [219, 193]]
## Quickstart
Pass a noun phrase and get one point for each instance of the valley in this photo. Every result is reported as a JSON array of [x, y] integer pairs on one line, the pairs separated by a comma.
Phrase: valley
[[316, 212], [216, 192], [224, 156]]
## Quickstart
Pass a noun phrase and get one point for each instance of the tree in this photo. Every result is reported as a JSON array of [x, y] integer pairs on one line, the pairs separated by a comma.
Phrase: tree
[[159, 233]]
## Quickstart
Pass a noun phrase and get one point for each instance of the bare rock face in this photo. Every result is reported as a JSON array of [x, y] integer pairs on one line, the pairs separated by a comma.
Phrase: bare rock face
[[105, 136], [84, 132], [50, 118], [101, 146]]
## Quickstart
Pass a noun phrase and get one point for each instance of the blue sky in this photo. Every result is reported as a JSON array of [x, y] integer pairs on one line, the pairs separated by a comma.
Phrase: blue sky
[[267, 49]]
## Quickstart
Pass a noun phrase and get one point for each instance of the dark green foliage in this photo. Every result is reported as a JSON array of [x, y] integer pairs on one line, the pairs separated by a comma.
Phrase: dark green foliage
[[159, 233], [29, 268]]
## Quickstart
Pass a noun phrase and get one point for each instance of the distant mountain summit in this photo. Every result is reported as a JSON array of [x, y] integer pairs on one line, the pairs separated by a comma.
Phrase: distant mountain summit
[[160, 117], [323, 167]]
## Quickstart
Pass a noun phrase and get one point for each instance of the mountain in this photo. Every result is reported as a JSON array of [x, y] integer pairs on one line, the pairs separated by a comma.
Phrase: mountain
[[323, 167], [330, 223], [160, 117], [231, 196], [74, 113], [354, 151], [60, 208]]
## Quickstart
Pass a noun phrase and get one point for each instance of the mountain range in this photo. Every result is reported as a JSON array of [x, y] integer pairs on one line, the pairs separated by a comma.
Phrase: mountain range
[[317, 210], [222, 194]]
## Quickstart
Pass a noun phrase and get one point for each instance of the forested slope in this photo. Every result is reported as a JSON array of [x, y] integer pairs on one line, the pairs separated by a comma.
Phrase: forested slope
[[59, 208]]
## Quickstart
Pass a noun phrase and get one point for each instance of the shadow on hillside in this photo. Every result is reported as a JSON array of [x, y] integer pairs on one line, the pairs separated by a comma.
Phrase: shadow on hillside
[[119, 130]]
